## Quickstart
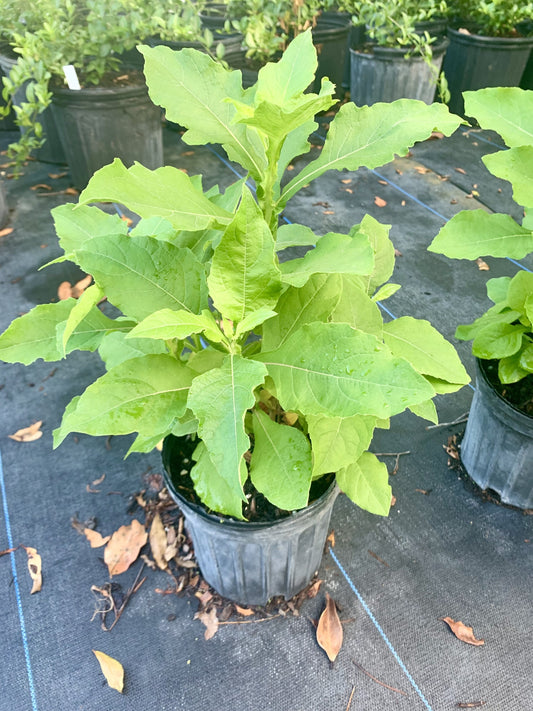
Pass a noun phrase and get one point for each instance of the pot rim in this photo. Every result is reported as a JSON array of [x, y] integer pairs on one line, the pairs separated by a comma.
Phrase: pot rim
[[384, 53], [488, 40], [506, 409]]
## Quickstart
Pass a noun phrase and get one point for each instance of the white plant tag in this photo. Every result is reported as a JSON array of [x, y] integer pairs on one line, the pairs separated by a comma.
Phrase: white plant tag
[[71, 77]]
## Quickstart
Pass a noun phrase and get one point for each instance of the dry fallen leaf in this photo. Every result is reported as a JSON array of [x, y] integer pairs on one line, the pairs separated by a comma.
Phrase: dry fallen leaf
[[96, 540], [35, 568], [158, 542], [331, 539], [290, 417], [65, 290], [210, 620], [329, 630], [462, 632], [111, 669], [6, 231], [71, 191], [328, 212], [56, 176], [124, 547], [397, 253], [461, 170], [421, 169], [41, 186], [28, 434], [380, 202], [346, 181], [482, 265], [245, 612]]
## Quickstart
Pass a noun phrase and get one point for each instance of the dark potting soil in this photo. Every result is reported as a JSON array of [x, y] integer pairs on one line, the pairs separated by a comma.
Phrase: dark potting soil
[[519, 395], [127, 76], [258, 509]]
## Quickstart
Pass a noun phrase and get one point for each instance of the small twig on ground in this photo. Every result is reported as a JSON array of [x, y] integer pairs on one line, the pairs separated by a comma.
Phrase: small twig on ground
[[392, 454], [247, 622], [470, 704], [112, 607], [8, 550], [350, 699], [377, 558], [458, 421], [381, 683]]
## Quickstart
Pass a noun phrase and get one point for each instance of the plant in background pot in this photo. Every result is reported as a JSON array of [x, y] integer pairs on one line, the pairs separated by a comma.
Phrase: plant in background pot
[[111, 114], [490, 43], [275, 372], [401, 58], [498, 446]]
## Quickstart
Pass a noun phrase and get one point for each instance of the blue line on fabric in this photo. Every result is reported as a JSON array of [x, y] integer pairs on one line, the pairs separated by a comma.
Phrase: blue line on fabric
[[17, 591], [465, 130], [381, 632]]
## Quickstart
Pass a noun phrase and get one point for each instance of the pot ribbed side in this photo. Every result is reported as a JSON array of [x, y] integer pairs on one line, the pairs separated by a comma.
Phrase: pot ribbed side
[[253, 562], [497, 449]]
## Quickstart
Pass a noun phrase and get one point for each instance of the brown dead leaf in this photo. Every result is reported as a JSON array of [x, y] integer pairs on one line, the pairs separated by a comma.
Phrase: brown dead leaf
[[64, 290], [380, 202], [41, 186], [290, 167], [329, 630], [383, 182], [331, 539], [314, 587], [346, 181], [98, 481], [35, 568], [210, 620], [124, 546], [80, 286], [28, 434], [244, 611], [158, 542], [6, 231], [96, 540], [71, 191], [462, 632], [290, 417], [348, 190], [111, 669], [421, 169], [56, 176], [187, 153], [437, 134], [397, 253], [393, 500], [461, 170], [328, 212], [482, 265]]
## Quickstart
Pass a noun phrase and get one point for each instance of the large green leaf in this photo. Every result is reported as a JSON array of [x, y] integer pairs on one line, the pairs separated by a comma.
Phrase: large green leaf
[[115, 349], [475, 233], [244, 276], [193, 89], [383, 249], [76, 224], [87, 301], [141, 275], [498, 340], [314, 301], [496, 314], [167, 324], [333, 254], [330, 369], [149, 193], [212, 488], [295, 235], [507, 110], [219, 400], [516, 166], [513, 368], [372, 135], [156, 227], [425, 348], [280, 467], [366, 483], [356, 307], [142, 395], [497, 289], [520, 290], [338, 442]]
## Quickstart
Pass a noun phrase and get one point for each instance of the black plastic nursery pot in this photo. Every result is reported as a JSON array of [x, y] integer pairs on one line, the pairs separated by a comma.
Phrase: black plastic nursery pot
[[99, 124], [251, 562], [4, 212], [497, 449], [52, 150], [475, 62], [331, 39], [386, 74]]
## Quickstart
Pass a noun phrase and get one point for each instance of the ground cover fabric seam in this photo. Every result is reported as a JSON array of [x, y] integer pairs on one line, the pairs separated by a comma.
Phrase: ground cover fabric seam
[[17, 591], [381, 632]]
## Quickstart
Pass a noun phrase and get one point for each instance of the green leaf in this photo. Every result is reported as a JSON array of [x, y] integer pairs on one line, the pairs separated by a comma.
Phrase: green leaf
[[516, 166], [193, 89], [426, 410], [280, 467], [244, 276], [357, 308], [497, 289], [526, 358], [254, 319], [167, 324], [295, 235], [508, 111], [141, 275], [338, 441], [206, 359], [142, 395], [386, 291], [115, 349], [156, 227], [212, 488], [366, 483], [315, 301], [330, 369], [511, 369], [498, 340], [520, 290], [219, 400], [443, 387], [279, 82], [372, 136], [499, 313], [77, 224], [87, 301], [425, 348], [145, 444], [333, 254], [146, 192], [295, 144], [383, 248], [475, 233]]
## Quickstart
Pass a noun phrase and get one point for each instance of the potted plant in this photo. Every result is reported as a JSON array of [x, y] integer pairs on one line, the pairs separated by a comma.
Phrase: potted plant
[[497, 450], [277, 371], [400, 58], [490, 43], [106, 111]]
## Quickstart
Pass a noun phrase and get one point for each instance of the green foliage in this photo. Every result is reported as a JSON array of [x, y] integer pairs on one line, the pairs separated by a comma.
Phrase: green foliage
[[505, 331], [282, 369], [494, 18]]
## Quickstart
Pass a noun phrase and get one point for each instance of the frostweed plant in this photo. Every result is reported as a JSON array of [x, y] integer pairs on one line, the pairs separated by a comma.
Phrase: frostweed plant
[[280, 370]]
